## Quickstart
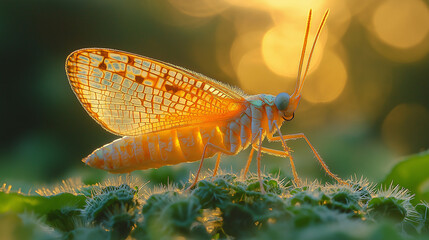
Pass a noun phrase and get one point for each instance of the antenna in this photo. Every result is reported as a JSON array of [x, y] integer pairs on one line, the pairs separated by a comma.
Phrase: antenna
[[300, 82], [304, 47]]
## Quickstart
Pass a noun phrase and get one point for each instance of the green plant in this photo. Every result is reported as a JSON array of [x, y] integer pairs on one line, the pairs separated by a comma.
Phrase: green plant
[[221, 207]]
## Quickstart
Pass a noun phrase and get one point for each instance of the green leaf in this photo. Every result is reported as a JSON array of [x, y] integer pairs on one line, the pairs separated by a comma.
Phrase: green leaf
[[389, 208], [16, 202], [413, 174], [25, 226]]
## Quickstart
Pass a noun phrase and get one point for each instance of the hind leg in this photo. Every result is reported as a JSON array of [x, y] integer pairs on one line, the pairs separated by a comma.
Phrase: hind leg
[[219, 149], [217, 165], [249, 160]]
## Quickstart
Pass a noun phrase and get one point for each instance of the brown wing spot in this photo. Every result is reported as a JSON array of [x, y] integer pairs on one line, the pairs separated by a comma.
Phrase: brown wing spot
[[121, 73], [139, 79], [130, 60], [104, 53], [102, 66], [171, 88]]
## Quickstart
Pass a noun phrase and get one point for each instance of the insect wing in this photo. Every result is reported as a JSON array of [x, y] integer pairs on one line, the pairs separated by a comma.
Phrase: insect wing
[[132, 95]]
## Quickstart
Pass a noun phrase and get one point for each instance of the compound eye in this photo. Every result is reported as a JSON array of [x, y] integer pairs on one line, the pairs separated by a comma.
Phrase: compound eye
[[281, 101]]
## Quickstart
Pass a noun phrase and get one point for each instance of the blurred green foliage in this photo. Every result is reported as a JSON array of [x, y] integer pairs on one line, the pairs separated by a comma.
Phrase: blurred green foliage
[[41, 205], [221, 207], [412, 174]]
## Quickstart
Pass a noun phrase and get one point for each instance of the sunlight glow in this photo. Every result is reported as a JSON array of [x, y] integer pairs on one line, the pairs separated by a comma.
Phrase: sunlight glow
[[328, 82], [255, 77], [281, 48], [401, 24]]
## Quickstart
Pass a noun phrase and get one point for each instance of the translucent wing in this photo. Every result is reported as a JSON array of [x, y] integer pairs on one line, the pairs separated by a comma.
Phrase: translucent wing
[[132, 95]]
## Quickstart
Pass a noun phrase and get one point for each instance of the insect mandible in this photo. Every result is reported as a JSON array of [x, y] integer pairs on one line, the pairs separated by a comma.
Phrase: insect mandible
[[169, 115]]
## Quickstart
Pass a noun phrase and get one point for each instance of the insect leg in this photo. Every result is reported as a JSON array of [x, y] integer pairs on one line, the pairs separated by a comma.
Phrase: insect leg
[[249, 160], [259, 162], [217, 164], [285, 154], [284, 138], [202, 160], [286, 150]]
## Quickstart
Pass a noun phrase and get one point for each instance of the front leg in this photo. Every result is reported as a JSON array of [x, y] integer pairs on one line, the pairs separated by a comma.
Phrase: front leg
[[285, 154], [284, 138]]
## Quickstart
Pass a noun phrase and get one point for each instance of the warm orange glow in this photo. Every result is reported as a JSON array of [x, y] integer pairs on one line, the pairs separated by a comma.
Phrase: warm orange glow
[[401, 24], [199, 139], [328, 82], [218, 130], [243, 44], [132, 95], [282, 45], [255, 77], [339, 20], [278, 5], [292, 5]]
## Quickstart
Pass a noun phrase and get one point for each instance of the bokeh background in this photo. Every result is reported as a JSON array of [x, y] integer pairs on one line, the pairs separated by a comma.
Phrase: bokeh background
[[365, 102]]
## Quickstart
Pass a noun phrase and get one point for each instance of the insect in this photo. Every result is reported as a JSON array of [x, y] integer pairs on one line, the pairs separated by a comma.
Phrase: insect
[[169, 115]]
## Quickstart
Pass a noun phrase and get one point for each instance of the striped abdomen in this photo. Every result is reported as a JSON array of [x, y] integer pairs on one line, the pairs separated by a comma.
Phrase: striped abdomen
[[175, 146], [154, 150]]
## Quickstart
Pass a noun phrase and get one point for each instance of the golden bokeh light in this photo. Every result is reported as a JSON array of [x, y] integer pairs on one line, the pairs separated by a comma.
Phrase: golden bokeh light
[[223, 49], [402, 55], [282, 45], [292, 5], [401, 24], [339, 19], [243, 44], [277, 5], [402, 128], [255, 77], [199, 8], [328, 82], [244, 4]]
